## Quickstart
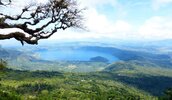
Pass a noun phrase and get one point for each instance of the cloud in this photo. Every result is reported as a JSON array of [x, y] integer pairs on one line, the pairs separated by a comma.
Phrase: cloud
[[98, 26], [41, 1], [160, 3], [99, 23], [156, 28], [95, 3]]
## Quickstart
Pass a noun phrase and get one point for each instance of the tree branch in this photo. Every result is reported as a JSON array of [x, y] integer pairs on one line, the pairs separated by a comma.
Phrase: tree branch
[[20, 37], [62, 13]]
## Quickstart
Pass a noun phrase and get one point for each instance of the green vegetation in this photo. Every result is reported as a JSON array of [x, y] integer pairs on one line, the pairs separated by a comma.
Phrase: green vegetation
[[67, 66], [3, 64], [121, 81], [167, 95], [153, 80], [65, 86]]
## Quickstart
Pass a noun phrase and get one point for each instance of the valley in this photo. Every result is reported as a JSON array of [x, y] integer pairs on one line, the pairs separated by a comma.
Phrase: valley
[[97, 72]]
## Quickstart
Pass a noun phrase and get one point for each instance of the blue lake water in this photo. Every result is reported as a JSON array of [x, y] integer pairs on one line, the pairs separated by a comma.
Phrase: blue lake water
[[73, 55]]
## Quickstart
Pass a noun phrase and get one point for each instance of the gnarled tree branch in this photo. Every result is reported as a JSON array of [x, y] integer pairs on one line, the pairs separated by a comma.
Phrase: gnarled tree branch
[[20, 37], [61, 13]]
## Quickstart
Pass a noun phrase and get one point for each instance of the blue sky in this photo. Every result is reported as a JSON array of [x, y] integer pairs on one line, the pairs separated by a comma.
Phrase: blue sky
[[131, 19], [136, 11], [128, 20]]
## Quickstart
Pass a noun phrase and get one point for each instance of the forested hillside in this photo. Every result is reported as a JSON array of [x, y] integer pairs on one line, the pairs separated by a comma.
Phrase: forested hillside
[[64, 86]]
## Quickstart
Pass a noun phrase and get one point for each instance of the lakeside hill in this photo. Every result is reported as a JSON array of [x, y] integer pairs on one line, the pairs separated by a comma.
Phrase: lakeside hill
[[153, 80], [63, 57]]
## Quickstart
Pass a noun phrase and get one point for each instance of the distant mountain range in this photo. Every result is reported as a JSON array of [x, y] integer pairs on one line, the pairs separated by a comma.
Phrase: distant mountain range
[[26, 57]]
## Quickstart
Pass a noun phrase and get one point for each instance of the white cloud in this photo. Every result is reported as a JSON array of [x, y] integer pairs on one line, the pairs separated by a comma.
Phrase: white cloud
[[99, 23], [95, 3], [160, 3], [41, 1], [156, 28]]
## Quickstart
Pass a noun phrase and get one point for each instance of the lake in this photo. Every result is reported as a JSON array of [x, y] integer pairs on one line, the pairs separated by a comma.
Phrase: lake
[[67, 54]]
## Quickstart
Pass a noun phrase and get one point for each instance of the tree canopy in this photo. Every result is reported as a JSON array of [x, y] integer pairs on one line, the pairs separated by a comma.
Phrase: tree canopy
[[40, 21]]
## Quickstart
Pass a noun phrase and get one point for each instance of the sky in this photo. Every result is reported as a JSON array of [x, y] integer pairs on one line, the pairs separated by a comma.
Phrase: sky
[[125, 20]]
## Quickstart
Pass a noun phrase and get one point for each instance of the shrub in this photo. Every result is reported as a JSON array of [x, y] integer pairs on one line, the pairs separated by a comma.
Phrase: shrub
[[3, 64]]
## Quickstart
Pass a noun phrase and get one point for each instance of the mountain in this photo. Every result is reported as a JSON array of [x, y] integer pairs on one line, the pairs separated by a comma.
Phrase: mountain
[[162, 60], [160, 43], [99, 59], [3, 53]]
